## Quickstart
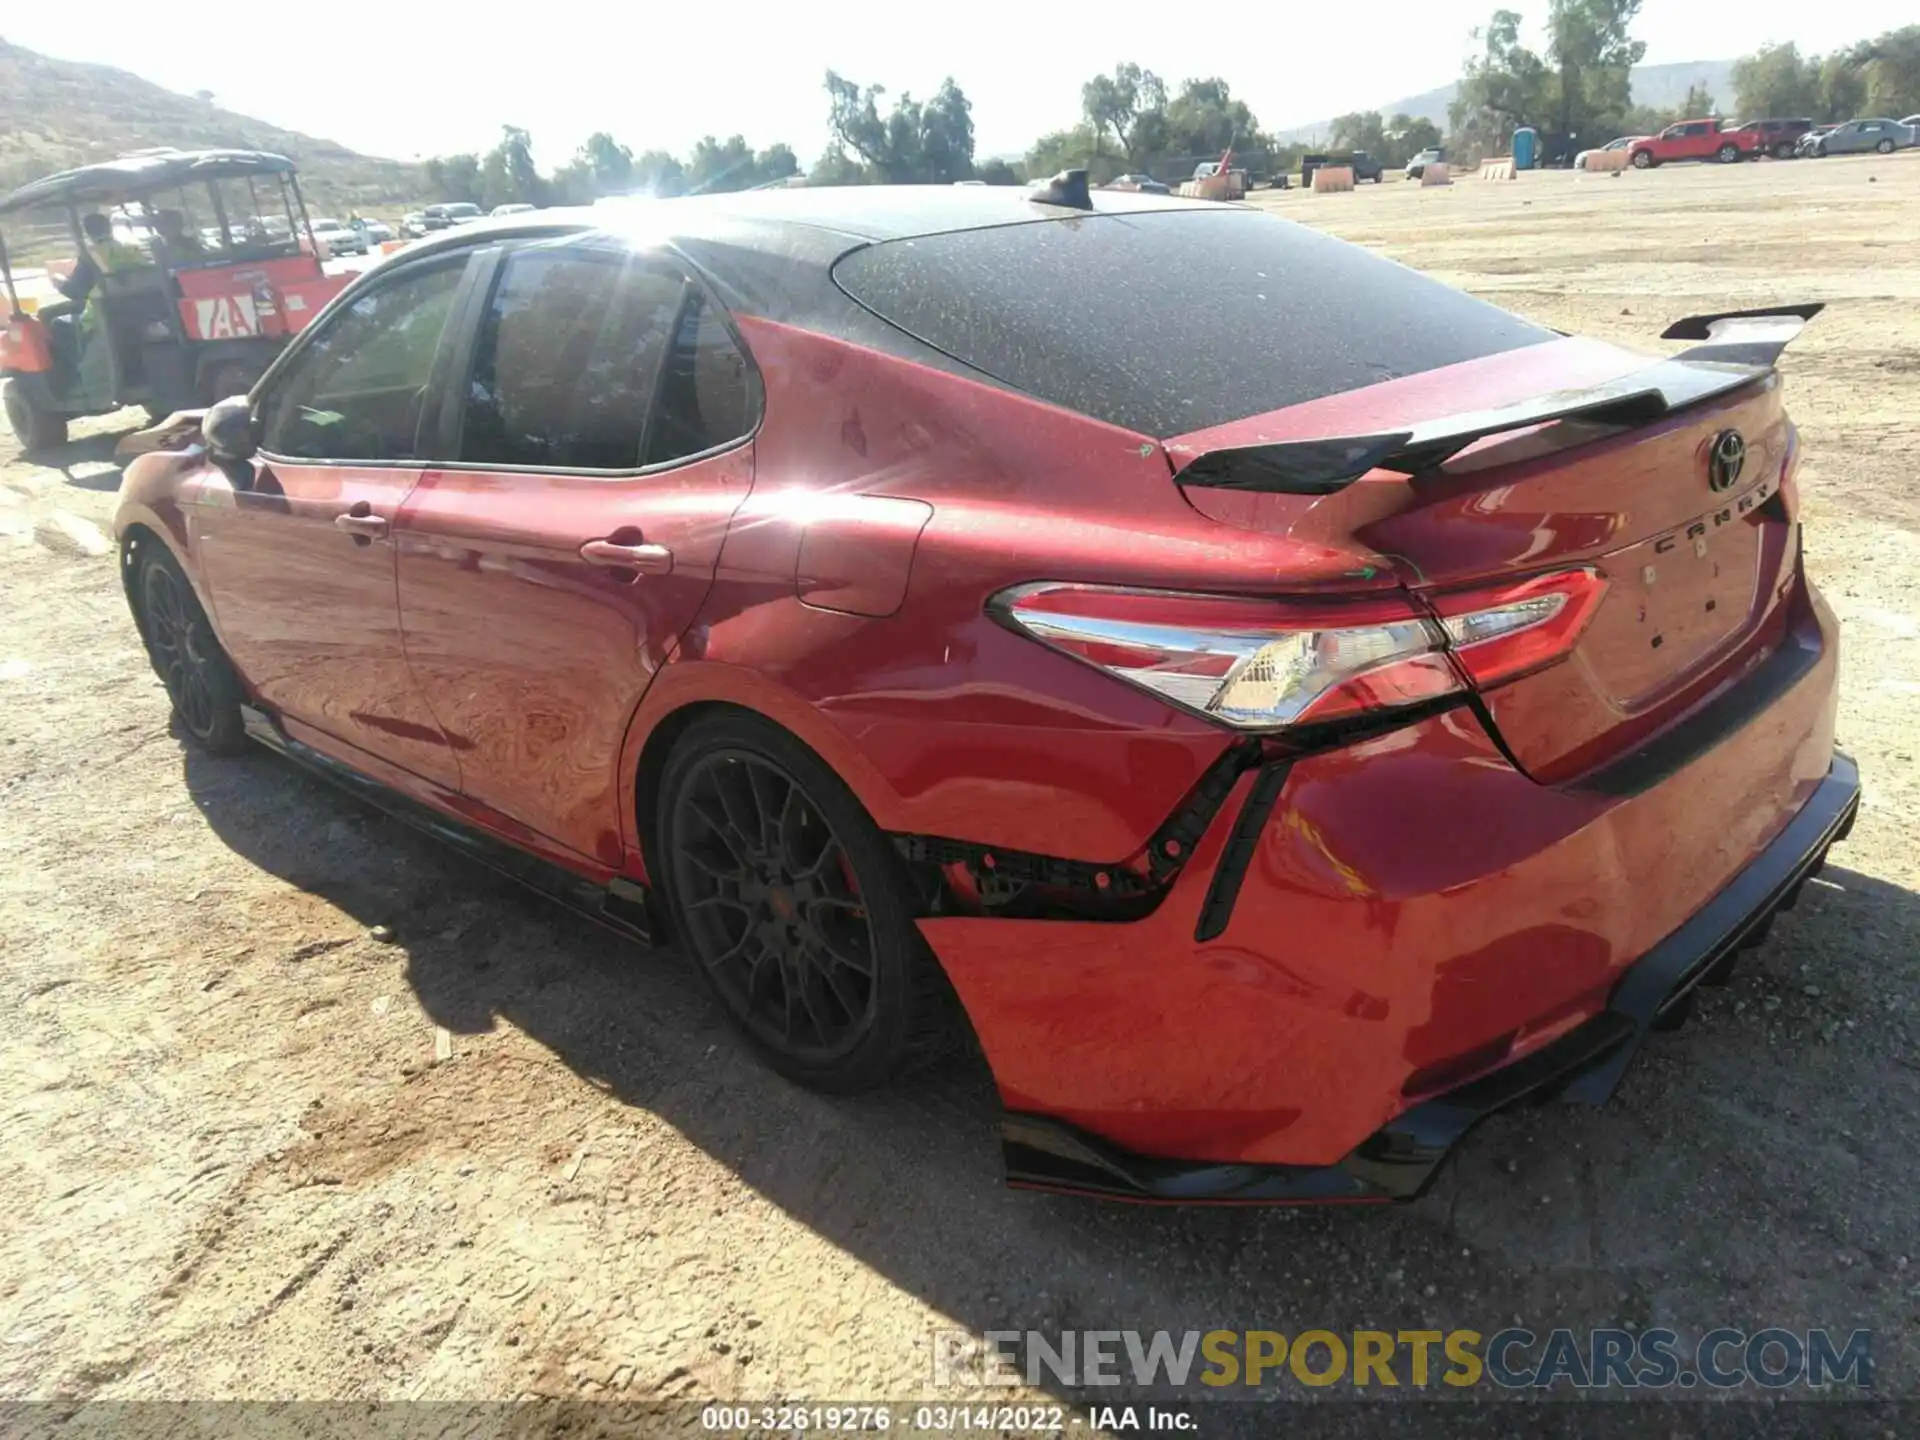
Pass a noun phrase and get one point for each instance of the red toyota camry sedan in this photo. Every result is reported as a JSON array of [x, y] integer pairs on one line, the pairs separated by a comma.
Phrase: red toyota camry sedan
[[1282, 707]]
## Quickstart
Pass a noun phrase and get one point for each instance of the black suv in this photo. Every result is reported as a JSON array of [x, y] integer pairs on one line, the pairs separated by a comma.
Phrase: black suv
[[1775, 137]]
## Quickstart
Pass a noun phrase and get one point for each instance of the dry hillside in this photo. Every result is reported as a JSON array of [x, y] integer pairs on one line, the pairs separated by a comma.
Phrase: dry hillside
[[59, 113]]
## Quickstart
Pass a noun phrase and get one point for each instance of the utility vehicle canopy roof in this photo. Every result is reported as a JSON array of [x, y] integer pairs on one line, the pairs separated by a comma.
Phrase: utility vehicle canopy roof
[[143, 171]]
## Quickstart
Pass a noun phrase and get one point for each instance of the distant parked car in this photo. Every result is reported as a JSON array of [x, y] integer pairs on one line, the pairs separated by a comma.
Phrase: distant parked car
[[1809, 143], [1623, 143], [1432, 155], [1694, 140], [1144, 184], [338, 238], [1859, 137], [517, 208], [413, 225], [1778, 138], [375, 231]]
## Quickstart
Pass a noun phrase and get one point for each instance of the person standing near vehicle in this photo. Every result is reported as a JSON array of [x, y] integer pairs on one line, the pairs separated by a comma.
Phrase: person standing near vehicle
[[100, 255]]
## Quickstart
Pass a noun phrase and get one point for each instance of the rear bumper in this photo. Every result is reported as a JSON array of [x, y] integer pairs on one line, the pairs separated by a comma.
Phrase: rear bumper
[[1399, 1161], [1372, 946]]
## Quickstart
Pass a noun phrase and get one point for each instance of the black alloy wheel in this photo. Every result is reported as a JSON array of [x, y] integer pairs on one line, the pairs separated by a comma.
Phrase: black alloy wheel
[[790, 901], [188, 659]]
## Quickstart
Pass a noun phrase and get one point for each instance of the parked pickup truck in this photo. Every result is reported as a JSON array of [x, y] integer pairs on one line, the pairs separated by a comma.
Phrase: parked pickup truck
[[1695, 140], [1363, 165]]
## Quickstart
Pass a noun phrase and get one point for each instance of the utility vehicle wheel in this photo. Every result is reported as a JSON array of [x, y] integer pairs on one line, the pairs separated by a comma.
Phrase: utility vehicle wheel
[[206, 694], [795, 908], [34, 426]]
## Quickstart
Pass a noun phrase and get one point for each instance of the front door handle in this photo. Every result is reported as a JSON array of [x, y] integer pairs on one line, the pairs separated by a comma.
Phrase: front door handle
[[642, 558], [362, 527]]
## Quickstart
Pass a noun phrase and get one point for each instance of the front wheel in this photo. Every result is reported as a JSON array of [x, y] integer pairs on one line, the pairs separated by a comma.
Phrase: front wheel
[[1783, 152], [795, 907], [1642, 160], [35, 426], [200, 680], [1727, 154], [1885, 147]]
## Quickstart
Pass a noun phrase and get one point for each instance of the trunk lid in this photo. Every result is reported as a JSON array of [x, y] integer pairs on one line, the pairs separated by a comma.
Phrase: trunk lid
[[1696, 574]]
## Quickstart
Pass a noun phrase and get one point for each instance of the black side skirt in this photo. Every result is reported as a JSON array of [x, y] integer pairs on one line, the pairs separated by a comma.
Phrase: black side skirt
[[1400, 1160], [622, 905]]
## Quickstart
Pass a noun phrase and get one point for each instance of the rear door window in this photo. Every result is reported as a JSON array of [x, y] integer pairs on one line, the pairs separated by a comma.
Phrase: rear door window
[[1166, 322], [568, 358]]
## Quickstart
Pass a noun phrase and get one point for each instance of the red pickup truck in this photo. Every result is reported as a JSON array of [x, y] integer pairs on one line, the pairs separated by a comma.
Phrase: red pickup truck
[[1694, 140]]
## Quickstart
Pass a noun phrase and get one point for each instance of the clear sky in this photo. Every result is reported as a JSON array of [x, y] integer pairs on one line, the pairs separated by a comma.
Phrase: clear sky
[[406, 78]]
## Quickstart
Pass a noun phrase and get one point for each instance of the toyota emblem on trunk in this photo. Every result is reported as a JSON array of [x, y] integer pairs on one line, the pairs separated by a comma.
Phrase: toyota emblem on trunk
[[1729, 453]]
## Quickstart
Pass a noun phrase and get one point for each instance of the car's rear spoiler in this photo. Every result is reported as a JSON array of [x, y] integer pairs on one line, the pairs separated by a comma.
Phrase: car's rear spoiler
[[1740, 347]]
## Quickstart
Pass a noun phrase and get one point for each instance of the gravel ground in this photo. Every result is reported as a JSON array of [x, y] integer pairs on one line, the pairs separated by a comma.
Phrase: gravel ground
[[249, 1150]]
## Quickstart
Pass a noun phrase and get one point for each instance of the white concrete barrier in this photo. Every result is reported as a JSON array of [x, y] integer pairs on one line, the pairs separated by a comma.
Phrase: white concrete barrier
[[1600, 161], [1501, 169], [1332, 179], [1436, 173]]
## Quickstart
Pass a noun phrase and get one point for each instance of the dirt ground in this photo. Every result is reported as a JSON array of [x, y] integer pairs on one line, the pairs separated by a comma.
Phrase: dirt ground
[[248, 1150]]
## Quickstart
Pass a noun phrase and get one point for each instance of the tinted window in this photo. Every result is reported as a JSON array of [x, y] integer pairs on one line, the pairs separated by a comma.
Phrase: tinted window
[[1701, 129], [706, 396], [567, 359], [356, 392], [1173, 321]]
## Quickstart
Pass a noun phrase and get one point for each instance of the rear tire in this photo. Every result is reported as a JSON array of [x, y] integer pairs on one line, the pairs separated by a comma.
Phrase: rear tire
[[34, 426], [1642, 160], [1727, 154], [796, 909], [200, 680], [1885, 147]]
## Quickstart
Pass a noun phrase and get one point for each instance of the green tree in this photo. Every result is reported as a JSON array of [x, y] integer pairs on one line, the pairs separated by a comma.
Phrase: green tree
[[912, 143], [1890, 67], [1502, 88], [1843, 89], [836, 167], [1698, 105], [997, 172], [1594, 56], [1204, 120], [1130, 106], [658, 173], [508, 174], [946, 135], [455, 178], [1080, 148], [1775, 82], [719, 166]]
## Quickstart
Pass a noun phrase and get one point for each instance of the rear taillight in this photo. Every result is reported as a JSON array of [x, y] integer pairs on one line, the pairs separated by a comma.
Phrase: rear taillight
[[1269, 664], [1502, 632]]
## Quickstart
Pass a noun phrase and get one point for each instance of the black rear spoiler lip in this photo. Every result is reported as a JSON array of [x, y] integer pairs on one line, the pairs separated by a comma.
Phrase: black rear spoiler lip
[[1740, 349]]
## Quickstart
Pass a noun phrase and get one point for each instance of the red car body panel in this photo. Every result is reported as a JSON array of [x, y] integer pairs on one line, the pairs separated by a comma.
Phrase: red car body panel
[[276, 297], [1430, 901], [1414, 899], [491, 576]]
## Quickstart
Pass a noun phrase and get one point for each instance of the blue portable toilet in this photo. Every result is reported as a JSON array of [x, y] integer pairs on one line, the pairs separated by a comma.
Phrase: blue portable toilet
[[1526, 141]]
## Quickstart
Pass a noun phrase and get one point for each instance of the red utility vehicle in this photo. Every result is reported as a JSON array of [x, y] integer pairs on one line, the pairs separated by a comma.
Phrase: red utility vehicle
[[1695, 140], [202, 321], [1284, 731]]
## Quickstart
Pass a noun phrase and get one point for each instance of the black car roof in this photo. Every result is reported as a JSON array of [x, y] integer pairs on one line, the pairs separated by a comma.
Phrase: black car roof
[[142, 171]]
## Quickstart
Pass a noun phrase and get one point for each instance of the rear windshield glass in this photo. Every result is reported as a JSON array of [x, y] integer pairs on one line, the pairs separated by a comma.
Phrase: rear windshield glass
[[1173, 321]]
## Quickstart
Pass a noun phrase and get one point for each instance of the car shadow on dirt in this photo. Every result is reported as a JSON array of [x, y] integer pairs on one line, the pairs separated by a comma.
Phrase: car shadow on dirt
[[1754, 1170], [92, 452]]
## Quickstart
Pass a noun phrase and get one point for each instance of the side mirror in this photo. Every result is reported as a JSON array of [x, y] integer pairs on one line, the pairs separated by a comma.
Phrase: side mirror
[[228, 429]]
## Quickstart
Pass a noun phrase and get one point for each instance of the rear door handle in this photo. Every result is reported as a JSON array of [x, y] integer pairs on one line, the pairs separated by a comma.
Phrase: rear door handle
[[365, 527], [644, 558]]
